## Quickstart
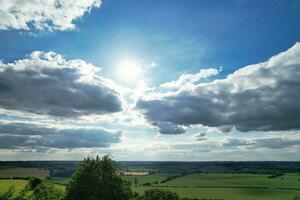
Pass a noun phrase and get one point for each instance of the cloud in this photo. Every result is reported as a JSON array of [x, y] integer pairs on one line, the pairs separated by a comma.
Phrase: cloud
[[169, 128], [186, 79], [22, 135], [270, 143], [194, 147], [43, 14], [276, 143], [234, 142], [260, 97], [46, 83], [200, 137]]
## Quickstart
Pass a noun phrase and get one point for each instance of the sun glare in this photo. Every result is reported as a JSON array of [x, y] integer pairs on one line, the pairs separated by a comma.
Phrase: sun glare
[[129, 70]]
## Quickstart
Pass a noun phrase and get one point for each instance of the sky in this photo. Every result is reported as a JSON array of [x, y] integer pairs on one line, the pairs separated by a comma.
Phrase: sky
[[150, 80]]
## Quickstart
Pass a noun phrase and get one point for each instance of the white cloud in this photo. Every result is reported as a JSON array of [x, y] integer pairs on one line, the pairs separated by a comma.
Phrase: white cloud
[[191, 79], [43, 14], [259, 97]]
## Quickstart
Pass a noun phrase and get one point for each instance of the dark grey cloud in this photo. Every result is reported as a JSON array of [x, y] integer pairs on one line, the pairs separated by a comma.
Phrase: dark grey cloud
[[21, 135], [46, 83], [169, 128], [270, 143], [261, 97]]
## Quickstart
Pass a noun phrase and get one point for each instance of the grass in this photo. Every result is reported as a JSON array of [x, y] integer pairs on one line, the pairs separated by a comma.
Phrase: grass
[[203, 186], [20, 184], [23, 172], [11, 172], [17, 184], [62, 180], [232, 186]]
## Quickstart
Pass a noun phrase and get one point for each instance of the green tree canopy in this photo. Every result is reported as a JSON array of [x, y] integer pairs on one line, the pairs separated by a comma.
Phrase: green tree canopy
[[156, 194], [96, 179]]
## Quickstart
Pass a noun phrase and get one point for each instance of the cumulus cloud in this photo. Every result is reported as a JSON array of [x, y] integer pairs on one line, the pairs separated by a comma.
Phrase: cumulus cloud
[[46, 83], [22, 135], [259, 97], [43, 14]]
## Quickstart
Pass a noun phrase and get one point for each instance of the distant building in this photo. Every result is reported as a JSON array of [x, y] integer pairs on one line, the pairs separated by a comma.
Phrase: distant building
[[124, 173]]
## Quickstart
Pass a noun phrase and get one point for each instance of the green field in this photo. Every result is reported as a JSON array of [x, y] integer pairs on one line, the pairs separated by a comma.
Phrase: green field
[[225, 186], [23, 172], [17, 184], [146, 179], [228, 186]]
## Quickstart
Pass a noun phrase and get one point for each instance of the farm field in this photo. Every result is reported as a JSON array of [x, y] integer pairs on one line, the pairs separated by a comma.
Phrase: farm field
[[23, 172], [5, 184], [146, 179], [17, 184], [228, 186], [192, 180]]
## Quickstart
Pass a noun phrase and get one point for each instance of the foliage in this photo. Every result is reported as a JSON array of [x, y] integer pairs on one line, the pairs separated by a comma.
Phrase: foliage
[[96, 179], [8, 194], [135, 182], [36, 189], [45, 190], [33, 183], [156, 194]]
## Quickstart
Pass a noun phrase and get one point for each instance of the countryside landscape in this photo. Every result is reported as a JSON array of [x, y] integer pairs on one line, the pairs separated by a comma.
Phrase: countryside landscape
[[195, 180], [149, 100]]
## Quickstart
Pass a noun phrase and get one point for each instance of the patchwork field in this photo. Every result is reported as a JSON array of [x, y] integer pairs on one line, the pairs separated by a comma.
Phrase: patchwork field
[[227, 186], [215, 182], [23, 172], [146, 179], [17, 184], [210, 186]]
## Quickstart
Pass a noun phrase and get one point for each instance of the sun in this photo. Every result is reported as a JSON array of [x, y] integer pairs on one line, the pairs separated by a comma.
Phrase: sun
[[129, 70]]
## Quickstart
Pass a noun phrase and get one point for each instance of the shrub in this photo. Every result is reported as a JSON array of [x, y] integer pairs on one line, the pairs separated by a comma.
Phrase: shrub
[[156, 194]]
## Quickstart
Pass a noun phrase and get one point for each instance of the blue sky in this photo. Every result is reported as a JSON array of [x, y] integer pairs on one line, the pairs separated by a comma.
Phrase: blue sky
[[151, 42], [180, 36]]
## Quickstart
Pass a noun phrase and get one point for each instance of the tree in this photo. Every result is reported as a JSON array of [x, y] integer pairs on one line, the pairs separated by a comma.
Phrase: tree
[[46, 191], [135, 182], [96, 179], [33, 183], [156, 194]]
